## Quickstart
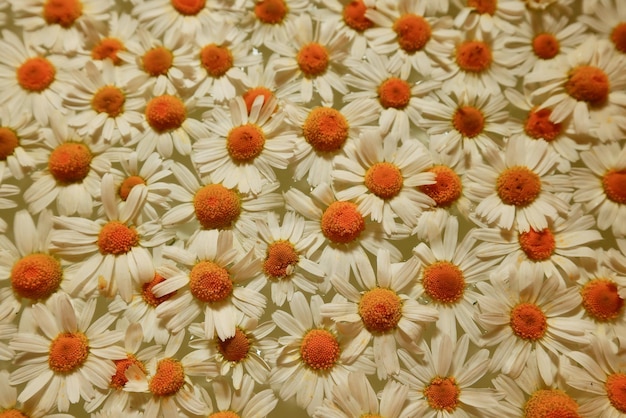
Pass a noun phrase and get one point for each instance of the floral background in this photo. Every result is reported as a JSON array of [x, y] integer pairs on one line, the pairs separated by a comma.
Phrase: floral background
[[327, 208]]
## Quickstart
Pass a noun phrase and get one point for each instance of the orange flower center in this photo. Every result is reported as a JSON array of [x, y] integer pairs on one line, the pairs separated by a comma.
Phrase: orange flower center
[[601, 299], [539, 126], [216, 206], [234, 348], [8, 142], [68, 351], [354, 16], [614, 185], [168, 379], [326, 129], [469, 121], [117, 238], [108, 48], [618, 36], [128, 184], [119, 380], [473, 56], [271, 11], [36, 74], [209, 282], [70, 162], [216, 60], [188, 7], [528, 321], [148, 295], [443, 394], [108, 99], [319, 349], [157, 61], [281, 259], [224, 414], [62, 12], [588, 84], [253, 93], [384, 180], [546, 46], [380, 309], [36, 276], [370, 416], [313, 60], [537, 245], [413, 32], [484, 6], [245, 142], [447, 188], [394, 92], [342, 222], [616, 390], [550, 403], [165, 113], [13, 413], [518, 186], [443, 282]]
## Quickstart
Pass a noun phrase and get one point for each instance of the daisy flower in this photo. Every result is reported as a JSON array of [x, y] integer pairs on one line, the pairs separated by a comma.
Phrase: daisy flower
[[9, 406], [411, 36], [284, 250], [68, 356], [311, 359], [270, 19], [608, 19], [208, 205], [385, 311], [61, 25], [240, 356], [489, 15], [527, 316], [167, 381], [240, 403], [447, 271], [356, 398], [384, 183], [32, 81], [120, 33], [442, 384], [323, 132], [213, 286], [109, 253], [584, 84], [393, 96], [73, 174], [19, 143], [517, 188], [342, 233], [312, 59], [556, 248], [467, 122], [243, 150], [105, 108], [600, 185]]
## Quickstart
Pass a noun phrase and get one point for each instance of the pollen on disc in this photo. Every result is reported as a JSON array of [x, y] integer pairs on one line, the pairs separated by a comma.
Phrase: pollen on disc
[[246, 142], [13, 413], [108, 48], [443, 282], [157, 61], [271, 11], [442, 394], [394, 93], [342, 222], [380, 309], [550, 403], [109, 100], [216, 207], [589, 84], [62, 12], [165, 113], [539, 126], [168, 379], [8, 142], [280, 259], [384, 180], [36, 74], [528, 321], [474, 56], [326, 129], [538, 245], [70, 162], [36, 276], [253, 93], [468, 121], [354, 16], [615, 387], [518, 186], [68, 351], [127, 185], [618, 36], [447, 188], [216, 60], [148, 295], [313, 60], [209, 282], [546, 46], [614, 185], [601, 300], [119, 379], [320, 350], [234, 348], [413, 32], [484, 6], [117, 238], [188, 7]]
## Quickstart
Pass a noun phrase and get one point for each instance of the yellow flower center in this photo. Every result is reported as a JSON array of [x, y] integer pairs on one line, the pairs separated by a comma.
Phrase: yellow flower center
[[618, 36], [384, 180], [342, 222], [13, 413], [149, 297], [380, 309], [443, 282], [413, 32], [62, 12], [354, 16], [216, 206], [245, 142], [589, 84], [253, 93], [601, 299], [313, 60], [224, 414], [616, 390], [447, 188], [209, 282], [469, 121], [165, 113], [188, 7], [128, 184], [546, 46], [537, 245], [117, 238], [216, 60], [110, 100], [518, 186], [36, 276], [70, 162], [326, 129], [36, 74], [484, 6], [394, 92], [319, 350], [271, 11], [473, 56], [234, 348], [157, 61], [108, 48], [539, 126], [119, 380], [528, 321], [168, 379], [614, 185], [280, 260], [443, 394], [550, 403], [8, 142], [68, 351]]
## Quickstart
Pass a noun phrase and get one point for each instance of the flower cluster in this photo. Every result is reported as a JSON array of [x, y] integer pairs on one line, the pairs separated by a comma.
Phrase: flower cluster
[[324, 208]]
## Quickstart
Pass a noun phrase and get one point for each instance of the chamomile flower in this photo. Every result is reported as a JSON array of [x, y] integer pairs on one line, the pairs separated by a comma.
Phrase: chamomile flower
[[120, 34], [608, 19], [242, 355], [61, 25], [442, 383], [384, 183], [284, 250], [489, 15], [244, 149], [105, 107], [556, 248], [212, 286], [312, 59], [113, 252], [386, 311], [10, 407], [518, 188], [342, 233], [529, 316], [66, 356], [269, 20], [19, 143], [311, 359], [600, 185], [73, 174], [238, 403]]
